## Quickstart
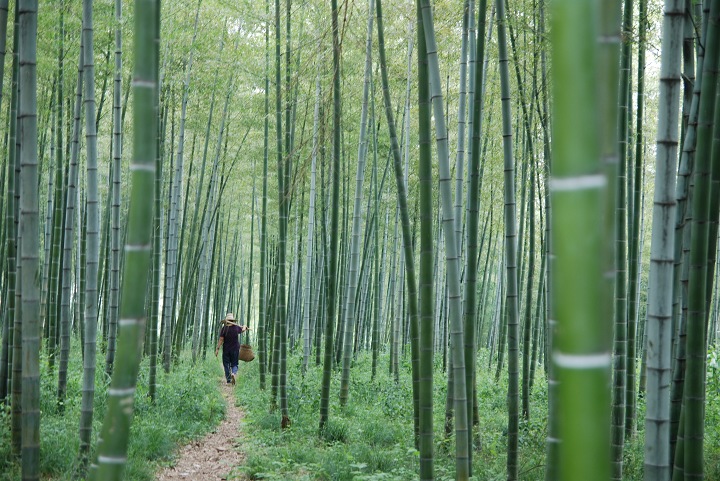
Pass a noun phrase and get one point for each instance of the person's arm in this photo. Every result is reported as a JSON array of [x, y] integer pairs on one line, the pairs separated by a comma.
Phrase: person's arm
[[220, 342]]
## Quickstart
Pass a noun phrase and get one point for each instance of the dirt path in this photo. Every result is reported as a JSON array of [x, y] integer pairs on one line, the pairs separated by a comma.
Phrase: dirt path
[[212, 457]]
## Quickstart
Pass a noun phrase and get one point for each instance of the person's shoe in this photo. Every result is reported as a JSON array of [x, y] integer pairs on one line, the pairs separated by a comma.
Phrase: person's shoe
[[233, 379]]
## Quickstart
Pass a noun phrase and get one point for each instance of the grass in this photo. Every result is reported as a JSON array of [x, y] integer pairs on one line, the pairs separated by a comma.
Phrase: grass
[[189, 404], [371, 438]]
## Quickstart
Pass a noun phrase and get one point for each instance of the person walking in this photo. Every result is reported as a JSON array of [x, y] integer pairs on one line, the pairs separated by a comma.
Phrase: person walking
[[230, 342]]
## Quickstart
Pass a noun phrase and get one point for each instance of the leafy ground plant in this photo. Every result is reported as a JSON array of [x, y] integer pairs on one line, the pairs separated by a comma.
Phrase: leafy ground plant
[[371, 438], [189, 404]]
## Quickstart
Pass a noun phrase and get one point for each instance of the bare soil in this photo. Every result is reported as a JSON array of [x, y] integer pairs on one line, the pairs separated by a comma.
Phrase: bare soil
[[214, 456]]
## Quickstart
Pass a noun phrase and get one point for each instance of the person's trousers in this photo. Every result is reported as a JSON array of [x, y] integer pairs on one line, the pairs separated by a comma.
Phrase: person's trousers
[[230, 362]]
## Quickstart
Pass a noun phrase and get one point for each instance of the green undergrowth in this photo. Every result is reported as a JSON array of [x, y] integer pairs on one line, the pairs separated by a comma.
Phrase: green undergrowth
[[371, 438], [188, 405], [712, 414]]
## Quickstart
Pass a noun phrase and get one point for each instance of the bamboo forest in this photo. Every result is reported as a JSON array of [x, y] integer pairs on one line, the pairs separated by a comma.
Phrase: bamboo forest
[[360, 240]]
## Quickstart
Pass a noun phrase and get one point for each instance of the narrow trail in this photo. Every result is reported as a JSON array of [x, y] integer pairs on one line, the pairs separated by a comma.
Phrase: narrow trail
[[214, 456]]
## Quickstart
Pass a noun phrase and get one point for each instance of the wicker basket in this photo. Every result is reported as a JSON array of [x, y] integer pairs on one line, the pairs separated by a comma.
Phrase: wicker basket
[[246, 353]]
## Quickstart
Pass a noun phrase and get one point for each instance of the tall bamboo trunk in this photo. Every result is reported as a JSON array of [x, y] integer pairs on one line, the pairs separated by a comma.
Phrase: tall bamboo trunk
[[468, 14], [92, 235], [30, 244], [115, 194], [357, 214], [634, 234], [114, 437], [310, 230], [70, 202], [332, 270], [578, 186], [473, 208], [539, 317], [426, 443], [283, 207], [462, 422], [683, 216], [510, 251], [262, 294], [708, 122], [15, 142], [11, 219], [52, 317], [660, 280], [620, 342], [377, 279], [408, 257], [527, 323]]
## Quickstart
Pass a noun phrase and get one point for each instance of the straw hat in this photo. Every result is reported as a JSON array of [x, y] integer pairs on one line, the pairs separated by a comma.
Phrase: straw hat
[[229, 317]]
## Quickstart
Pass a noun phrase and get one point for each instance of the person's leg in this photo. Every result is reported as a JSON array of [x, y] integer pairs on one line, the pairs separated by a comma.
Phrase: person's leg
[[234, 358], [226, 360]]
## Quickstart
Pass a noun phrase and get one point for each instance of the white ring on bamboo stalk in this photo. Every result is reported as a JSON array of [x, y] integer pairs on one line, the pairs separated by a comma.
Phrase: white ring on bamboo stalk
[[143, 167], [137, 247], [128, 391], [143, 83], [582, 361], [579, 182], [129, 321], [112, 459]]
